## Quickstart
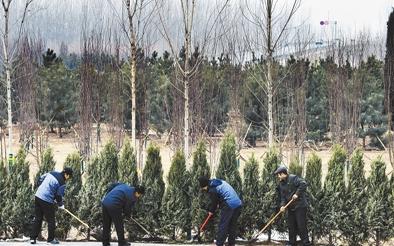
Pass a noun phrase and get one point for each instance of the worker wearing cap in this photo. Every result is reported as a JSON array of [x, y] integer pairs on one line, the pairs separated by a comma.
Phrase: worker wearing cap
[[49, 195], [293, 187]]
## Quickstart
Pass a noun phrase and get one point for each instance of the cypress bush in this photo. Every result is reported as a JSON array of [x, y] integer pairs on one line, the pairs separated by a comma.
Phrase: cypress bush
[[18, 198], [3, 177], [377, 209], [334, 193], [71, 201], [269, 189], [150, 207], [313, 176], [295, 167], [177, 200], [355, 224], [250, 218], [228, 165], [127, 169], [200, 199], [47, 164]]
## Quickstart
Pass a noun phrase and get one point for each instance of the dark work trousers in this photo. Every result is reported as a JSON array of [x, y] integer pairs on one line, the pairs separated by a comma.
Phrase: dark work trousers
[[112, 215], [297, 225], [41, 209], [228, 225]]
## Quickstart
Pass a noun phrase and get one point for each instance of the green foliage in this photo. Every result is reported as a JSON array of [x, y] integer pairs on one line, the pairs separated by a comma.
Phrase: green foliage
[[355, 223], [150, 207], [3, 177], [18, 198], [102, 171], [295, 167], [177, 200], [334, 192], [71, 201], [127, 169], [269, 184], [313, 176], [108, 166], [200, 200], [47, 164], [317, 103], [228, 164], [250, 219], [89, 197], [377, 209], [372, 121], [56, 93]]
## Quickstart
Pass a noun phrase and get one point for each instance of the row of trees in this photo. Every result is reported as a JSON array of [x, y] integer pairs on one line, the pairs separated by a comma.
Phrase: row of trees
[[303, 104], [348, 207]]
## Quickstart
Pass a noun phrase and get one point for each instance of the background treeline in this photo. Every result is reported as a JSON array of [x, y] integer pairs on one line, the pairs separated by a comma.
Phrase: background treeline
[[346, 206], [322, 100]]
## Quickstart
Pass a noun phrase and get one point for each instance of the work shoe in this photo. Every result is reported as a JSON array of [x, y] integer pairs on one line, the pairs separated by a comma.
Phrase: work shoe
[[106, 244], [124, 244], [32, 241], [54, 241]]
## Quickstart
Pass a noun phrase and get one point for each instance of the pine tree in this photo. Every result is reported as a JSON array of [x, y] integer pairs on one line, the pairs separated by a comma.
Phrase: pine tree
[[128, 165], [228, 165], [71, 201], [200, 200], [176, 201], [269, 188], [313, 177], [354, 226], [47, 164], [250, 219], [334, 193], [377, 209], [18, 198], [89, 197], [150, 207]]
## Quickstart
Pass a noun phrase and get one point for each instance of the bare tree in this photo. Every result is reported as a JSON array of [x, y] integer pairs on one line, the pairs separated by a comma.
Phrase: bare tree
[[185, 68], [270, 24], [8, 56]]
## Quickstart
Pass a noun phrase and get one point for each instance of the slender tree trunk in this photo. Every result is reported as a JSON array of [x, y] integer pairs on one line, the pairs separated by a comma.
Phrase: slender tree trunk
[[8, 75], [270, 96], [188, 27], [133, 67]]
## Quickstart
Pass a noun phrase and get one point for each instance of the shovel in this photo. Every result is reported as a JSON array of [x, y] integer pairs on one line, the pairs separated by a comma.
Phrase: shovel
[[95, 233], [201, 229], [152, 237], [254, 238]]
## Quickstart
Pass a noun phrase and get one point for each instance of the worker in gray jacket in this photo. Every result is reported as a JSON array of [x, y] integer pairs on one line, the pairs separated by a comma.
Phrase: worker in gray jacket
[[293, 187]]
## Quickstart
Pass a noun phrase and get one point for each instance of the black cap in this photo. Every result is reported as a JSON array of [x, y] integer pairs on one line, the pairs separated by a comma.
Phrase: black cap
[[68, 170], [281, 169], [204, 181], [140, 189]]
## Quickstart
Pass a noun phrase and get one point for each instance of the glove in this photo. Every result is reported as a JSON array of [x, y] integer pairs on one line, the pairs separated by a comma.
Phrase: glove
[[61, 207]]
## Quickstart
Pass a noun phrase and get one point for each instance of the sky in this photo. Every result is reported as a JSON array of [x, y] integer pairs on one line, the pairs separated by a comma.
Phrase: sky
[[352, 16]]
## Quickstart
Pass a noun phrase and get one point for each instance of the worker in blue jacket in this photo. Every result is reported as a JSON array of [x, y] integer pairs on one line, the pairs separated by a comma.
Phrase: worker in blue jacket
[[224, 196], [48, 196], [119, 200]]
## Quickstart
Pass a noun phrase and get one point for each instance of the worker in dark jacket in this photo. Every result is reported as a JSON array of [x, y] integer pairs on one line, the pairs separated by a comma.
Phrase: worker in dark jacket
[[119, 200], [50, 193], [224, 196], [294, 187]]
